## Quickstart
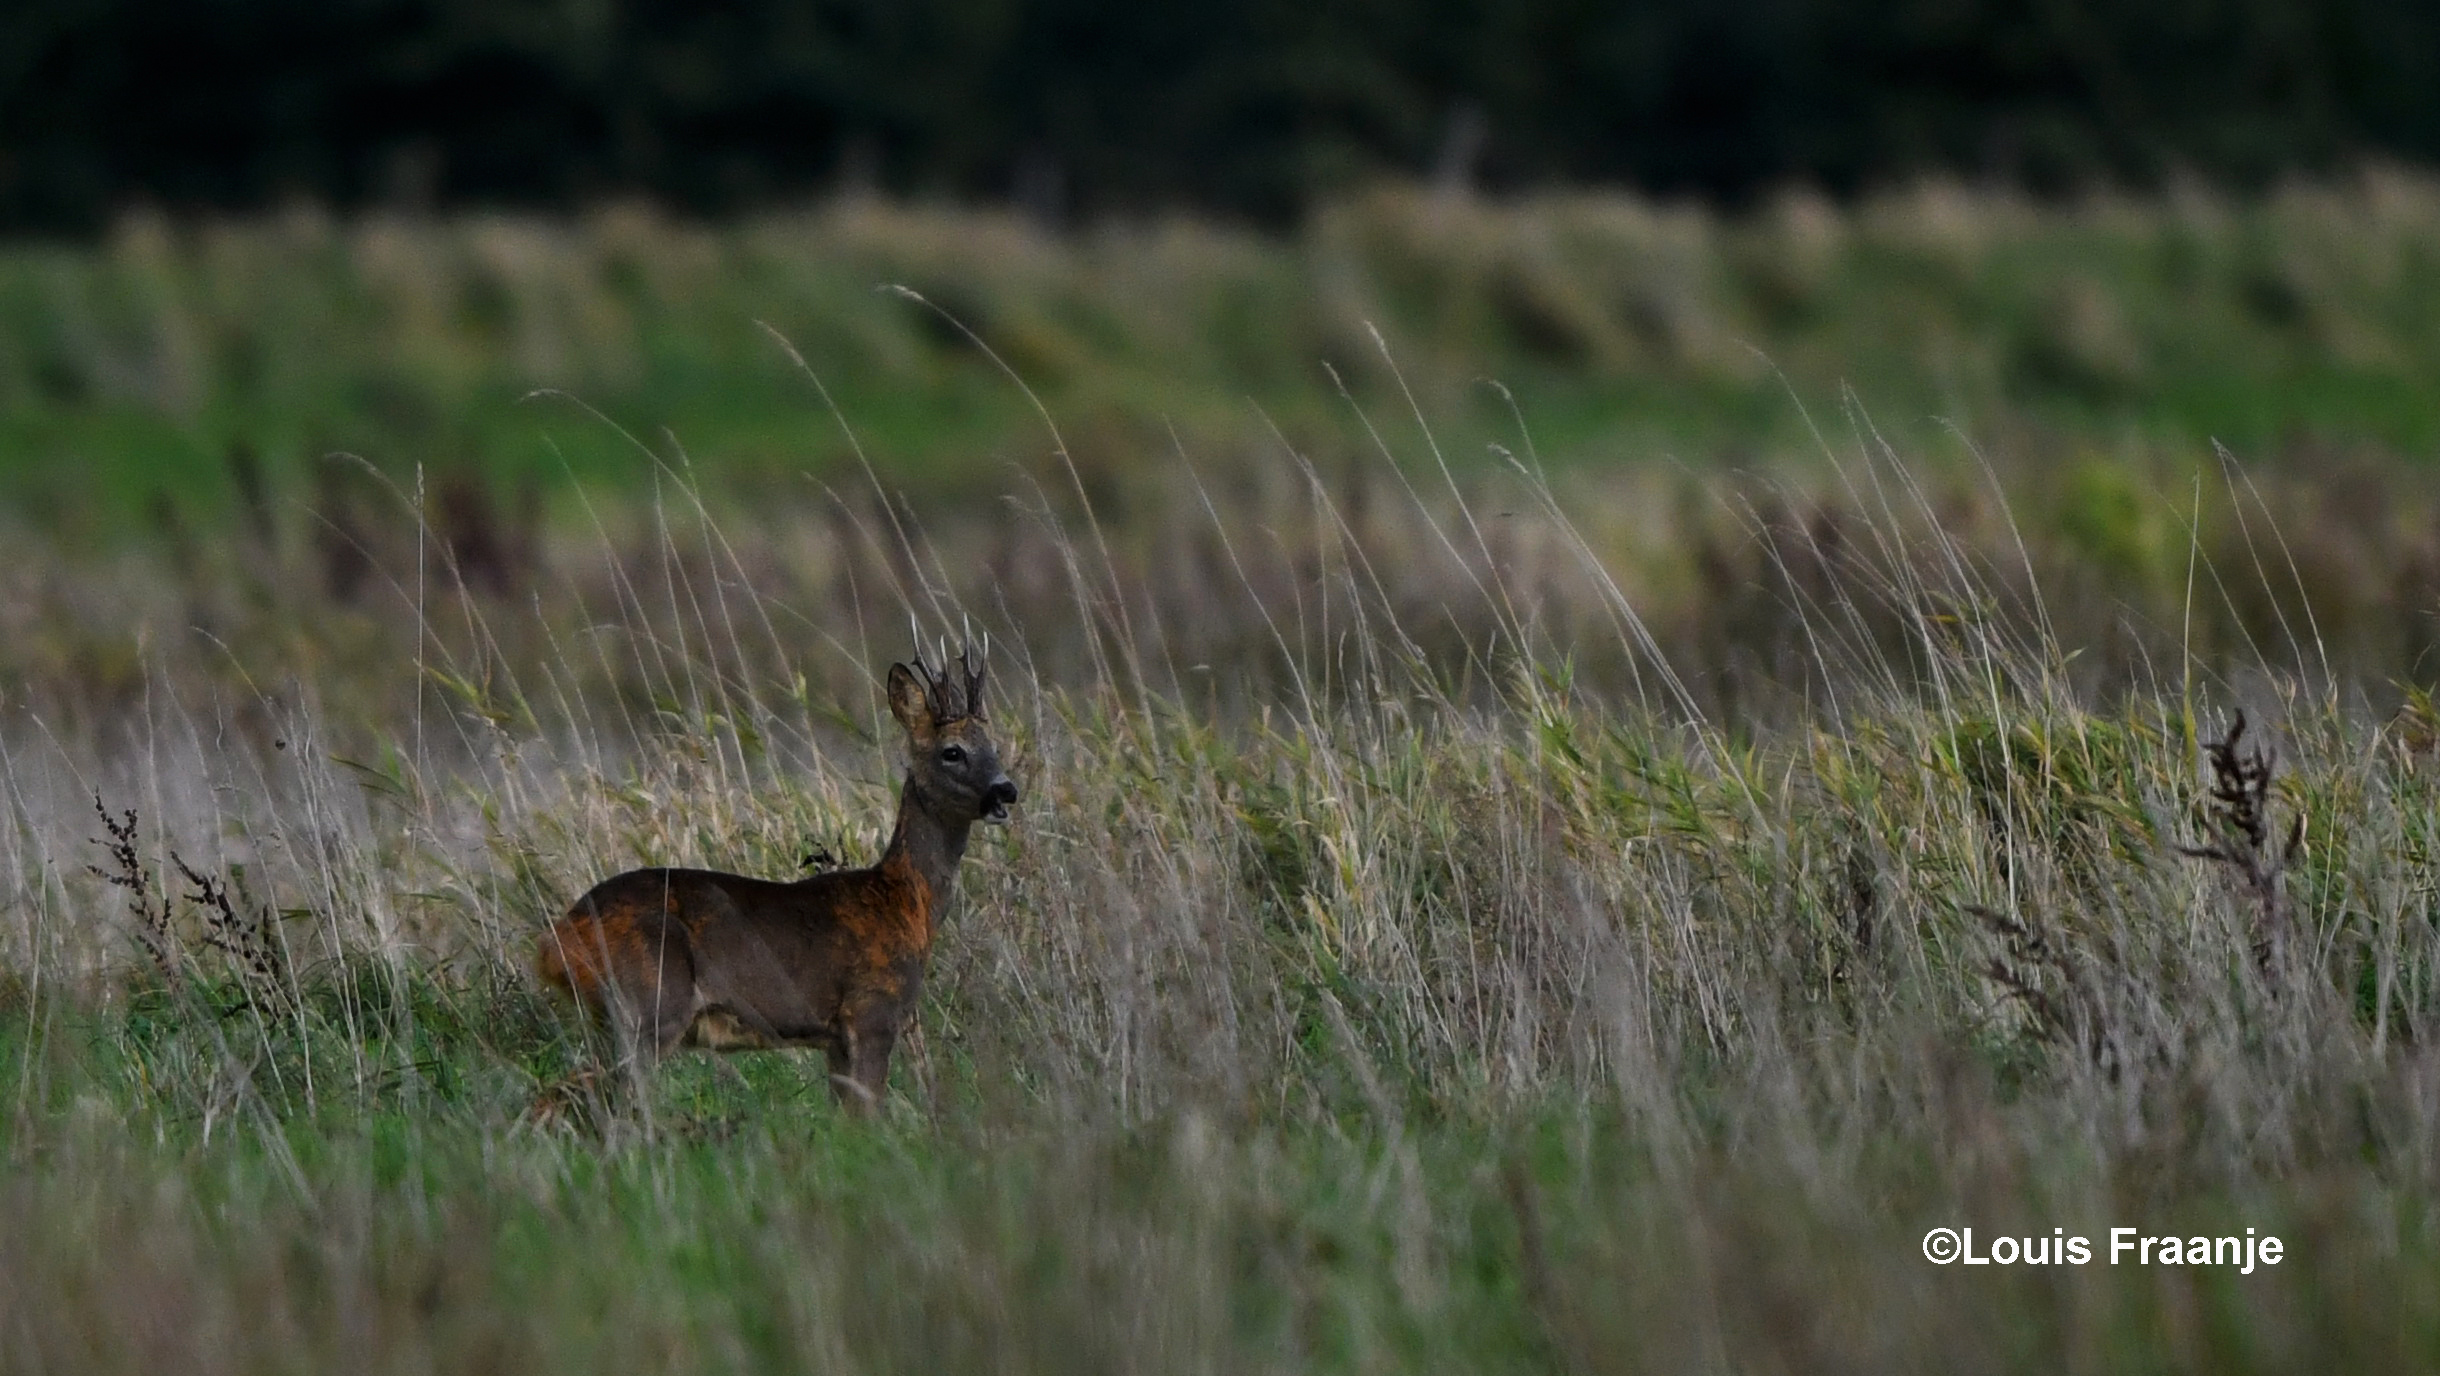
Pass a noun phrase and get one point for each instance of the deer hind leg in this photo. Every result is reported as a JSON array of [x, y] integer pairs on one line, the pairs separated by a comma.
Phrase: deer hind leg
[[654, 1003]]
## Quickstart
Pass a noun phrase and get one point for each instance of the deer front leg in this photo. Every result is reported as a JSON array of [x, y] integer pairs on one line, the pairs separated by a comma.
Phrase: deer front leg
[[842, 1081], [867, 1054]]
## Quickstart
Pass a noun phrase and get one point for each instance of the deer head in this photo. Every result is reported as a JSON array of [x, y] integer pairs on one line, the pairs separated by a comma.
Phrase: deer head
[[954, 768]]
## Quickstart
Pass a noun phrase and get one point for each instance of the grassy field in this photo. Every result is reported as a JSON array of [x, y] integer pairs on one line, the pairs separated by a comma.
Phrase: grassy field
[[178, 366], [1520, 912]]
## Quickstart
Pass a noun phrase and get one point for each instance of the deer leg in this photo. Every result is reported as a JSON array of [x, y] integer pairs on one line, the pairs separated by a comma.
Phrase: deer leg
[[842, 1082], [860, 1063], [672, 1014], [869, 1060], [656, 1004]]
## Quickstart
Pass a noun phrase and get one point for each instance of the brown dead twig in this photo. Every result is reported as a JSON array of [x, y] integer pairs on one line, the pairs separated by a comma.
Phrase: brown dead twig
[[249, 939], [148, 904], [2240, 811], [2055, 990]]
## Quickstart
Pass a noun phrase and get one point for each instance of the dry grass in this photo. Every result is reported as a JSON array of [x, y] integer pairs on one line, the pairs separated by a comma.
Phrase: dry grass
[[182, 375], [1593, 926]]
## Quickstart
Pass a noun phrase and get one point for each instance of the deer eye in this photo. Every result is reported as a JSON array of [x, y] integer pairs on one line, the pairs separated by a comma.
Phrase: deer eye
[[952, 754]]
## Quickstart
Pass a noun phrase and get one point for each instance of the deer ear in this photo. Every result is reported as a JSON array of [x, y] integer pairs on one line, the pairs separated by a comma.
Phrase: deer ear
[[908, 701]]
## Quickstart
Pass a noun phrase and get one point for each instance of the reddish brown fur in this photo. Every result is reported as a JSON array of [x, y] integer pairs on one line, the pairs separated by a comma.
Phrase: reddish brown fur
[[677, 957]]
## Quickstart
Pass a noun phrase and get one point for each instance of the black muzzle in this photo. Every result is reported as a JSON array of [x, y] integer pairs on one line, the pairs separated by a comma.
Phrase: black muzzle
[[998, 799]]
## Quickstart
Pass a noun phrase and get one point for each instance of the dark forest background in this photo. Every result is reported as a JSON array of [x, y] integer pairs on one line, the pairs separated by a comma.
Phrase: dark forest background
[[1249, 110]]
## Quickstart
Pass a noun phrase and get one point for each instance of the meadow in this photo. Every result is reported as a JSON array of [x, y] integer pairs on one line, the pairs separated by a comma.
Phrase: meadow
[[1576, 873], [157, 368]]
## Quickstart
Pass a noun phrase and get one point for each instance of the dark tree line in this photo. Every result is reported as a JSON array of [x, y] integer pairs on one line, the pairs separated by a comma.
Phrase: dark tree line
[[1248, 108]]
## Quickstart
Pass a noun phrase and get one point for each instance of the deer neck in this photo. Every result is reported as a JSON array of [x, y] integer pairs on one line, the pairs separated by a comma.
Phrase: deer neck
[[927, 847]]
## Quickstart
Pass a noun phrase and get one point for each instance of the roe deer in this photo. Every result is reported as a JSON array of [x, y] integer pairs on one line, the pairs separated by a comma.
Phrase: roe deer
[[672, 957]]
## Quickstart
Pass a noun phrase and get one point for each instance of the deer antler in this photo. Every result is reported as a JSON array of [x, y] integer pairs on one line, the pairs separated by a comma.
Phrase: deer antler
[[935, 682], [948, 700], [973, 668]]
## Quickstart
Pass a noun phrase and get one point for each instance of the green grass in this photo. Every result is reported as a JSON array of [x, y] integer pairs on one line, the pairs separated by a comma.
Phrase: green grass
[[1590, 918], [1445, 989], [130, 371]]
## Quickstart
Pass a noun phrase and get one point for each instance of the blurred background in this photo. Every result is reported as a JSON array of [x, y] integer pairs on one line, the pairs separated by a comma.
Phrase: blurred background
[[331, 277], [1079, 108]]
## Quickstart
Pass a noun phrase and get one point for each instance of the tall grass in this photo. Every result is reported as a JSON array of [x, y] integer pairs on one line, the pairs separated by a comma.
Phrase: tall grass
[[1453, 922], [179, 371]]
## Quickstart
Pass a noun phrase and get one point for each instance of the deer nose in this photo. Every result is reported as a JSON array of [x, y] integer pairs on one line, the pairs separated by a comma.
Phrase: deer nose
[[998, 796]]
